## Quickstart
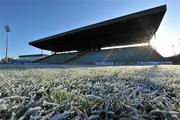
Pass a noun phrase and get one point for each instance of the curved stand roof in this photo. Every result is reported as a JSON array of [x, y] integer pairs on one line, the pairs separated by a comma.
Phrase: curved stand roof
[[130, 29]]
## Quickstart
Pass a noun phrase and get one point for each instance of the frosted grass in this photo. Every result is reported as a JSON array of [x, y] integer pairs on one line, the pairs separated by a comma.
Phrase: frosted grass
[[90, 93]]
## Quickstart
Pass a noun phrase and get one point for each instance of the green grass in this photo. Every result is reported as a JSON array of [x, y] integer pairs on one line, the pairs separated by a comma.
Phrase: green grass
[[129, 92]]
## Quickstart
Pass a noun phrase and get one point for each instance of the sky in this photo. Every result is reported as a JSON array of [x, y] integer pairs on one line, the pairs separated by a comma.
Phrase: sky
[[30, 20]]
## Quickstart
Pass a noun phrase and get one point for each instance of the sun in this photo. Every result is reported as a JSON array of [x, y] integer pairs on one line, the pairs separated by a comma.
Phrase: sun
[[166, 43]]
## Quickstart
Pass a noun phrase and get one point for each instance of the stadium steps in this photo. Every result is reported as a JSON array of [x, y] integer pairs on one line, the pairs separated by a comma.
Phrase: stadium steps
[[121, 55], [41, 59], [57, 58], [75, 57], [130, 55]]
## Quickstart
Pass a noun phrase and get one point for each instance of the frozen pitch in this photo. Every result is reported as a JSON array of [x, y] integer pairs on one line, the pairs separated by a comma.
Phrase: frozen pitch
[[90, 93]]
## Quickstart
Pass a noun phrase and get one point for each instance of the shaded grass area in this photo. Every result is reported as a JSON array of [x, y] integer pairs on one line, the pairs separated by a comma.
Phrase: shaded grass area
[[128, 92]]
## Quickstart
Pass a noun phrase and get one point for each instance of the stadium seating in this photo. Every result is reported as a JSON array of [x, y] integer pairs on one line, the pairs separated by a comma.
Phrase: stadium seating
[[126, 55], [130, 55], [58, 58]]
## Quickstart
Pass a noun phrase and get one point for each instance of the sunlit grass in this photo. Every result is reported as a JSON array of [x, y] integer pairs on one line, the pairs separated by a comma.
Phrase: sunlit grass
[[49, 92]]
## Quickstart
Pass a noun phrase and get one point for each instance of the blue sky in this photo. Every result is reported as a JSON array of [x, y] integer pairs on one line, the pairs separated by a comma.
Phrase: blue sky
[[34, 19]]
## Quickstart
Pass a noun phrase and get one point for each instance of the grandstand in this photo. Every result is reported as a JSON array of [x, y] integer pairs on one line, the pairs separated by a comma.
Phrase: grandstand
[[88, 41], [32, 57], [118, 56], [175, 59]]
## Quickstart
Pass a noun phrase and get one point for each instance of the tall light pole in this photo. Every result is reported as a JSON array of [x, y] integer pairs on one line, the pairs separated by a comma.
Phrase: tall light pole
[[7, 29], [172, 50]]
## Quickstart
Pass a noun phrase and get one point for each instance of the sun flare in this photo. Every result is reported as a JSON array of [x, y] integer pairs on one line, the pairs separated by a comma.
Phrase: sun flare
[[166, 43]]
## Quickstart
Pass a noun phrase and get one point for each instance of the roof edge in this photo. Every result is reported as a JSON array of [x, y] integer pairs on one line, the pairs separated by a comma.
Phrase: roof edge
[[106, 22]]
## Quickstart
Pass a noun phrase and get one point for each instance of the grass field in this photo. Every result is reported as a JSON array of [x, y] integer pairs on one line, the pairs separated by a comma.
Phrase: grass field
[[92, 93]]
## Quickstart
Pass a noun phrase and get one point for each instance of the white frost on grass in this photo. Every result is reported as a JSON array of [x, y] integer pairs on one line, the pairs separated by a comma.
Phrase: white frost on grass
[[56, 92]]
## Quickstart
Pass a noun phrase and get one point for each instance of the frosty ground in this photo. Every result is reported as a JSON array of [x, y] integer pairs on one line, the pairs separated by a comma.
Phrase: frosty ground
[[92, 93]]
